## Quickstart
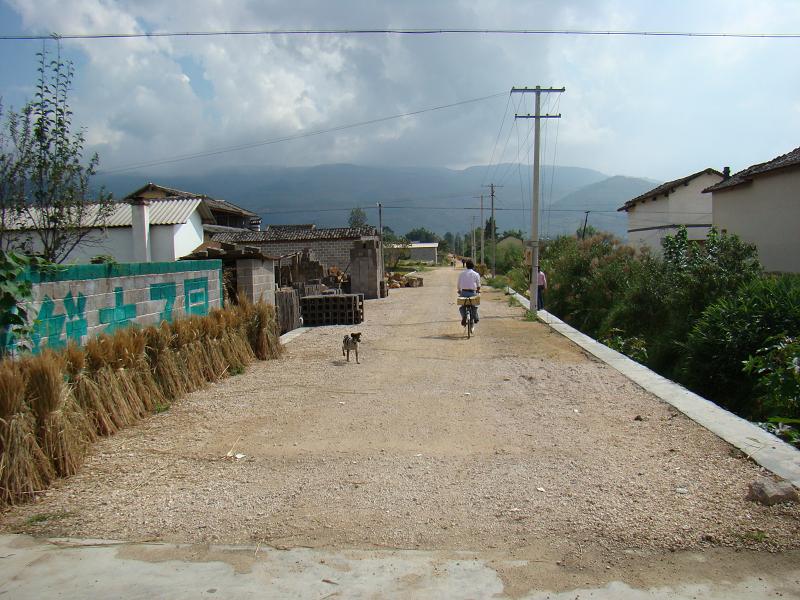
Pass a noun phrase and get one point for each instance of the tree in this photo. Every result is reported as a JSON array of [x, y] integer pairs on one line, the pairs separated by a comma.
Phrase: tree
[[358, 218], [489, 228], [517, 233], [45, 203], [420, 234]]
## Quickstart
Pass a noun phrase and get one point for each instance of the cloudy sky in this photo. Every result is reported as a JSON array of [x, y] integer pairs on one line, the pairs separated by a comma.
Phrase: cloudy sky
[[657, 107]]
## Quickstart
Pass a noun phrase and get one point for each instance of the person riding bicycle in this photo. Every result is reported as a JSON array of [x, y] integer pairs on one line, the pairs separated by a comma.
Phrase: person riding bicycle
[[469, 284]]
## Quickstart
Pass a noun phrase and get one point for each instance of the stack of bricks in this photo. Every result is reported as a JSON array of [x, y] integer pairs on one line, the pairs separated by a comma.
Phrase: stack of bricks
[[338, 309], [255, 280]]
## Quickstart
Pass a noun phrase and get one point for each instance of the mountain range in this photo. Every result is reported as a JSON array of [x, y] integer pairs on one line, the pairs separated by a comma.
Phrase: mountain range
[[438, 199]]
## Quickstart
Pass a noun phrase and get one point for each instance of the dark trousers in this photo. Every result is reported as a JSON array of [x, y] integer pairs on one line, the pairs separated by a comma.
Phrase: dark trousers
[[463, 309], [540, 298]]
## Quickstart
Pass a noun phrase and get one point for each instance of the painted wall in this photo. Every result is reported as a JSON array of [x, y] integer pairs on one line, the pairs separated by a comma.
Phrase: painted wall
[[650, 221], [83, 301], [765, 212]]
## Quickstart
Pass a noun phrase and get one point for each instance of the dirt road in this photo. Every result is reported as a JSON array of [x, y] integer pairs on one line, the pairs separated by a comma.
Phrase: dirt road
[[513, 442]]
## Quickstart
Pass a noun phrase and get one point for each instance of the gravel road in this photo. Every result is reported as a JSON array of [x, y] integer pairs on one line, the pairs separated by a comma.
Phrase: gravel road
[[513, 441]]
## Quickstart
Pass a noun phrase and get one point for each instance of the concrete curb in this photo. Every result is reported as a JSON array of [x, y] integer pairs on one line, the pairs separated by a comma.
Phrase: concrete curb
[[290, 335], [764, 448]]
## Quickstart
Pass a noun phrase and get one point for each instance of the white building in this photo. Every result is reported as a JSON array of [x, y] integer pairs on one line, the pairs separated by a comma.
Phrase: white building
[[761, 204], [662, 210]]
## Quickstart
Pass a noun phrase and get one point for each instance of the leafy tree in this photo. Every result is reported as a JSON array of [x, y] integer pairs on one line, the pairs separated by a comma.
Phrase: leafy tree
[[15, 292], [458, 244], [517, 233], [389, 235], [489, 228], [358, 218], [420, 234], [45, 202]]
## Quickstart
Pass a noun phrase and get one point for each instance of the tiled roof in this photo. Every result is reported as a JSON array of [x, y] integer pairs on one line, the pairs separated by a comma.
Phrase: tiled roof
[[667, 188], [790, 159], [286, 234]]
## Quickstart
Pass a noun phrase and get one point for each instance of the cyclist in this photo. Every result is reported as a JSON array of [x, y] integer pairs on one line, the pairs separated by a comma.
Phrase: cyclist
[[469, 284]]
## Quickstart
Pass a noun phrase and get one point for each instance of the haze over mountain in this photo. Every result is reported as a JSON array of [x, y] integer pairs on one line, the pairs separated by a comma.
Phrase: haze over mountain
[[439, 199]]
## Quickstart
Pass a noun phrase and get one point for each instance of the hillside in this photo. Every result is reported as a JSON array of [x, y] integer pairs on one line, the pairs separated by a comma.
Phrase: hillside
[[601, 199], [435, 198]]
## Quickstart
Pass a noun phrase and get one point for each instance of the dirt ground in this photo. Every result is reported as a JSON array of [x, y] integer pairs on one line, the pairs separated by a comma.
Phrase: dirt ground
[[514, 443]]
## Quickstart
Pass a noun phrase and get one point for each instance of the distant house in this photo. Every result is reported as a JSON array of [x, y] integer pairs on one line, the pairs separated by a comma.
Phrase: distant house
[[424, 251], [661, 211], [761, 204]]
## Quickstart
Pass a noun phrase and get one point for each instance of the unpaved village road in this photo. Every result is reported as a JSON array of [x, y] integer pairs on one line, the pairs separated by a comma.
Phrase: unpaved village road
[[513, 443]]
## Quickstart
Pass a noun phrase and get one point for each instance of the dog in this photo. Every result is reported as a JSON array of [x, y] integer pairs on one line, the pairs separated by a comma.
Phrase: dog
[[349, 343]]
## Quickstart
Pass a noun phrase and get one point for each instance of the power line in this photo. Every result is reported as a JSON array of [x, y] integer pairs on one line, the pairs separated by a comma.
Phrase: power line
[[412, 32], [183, 157]]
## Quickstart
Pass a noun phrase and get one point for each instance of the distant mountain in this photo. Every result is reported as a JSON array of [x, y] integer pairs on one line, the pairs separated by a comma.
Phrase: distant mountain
[[601, 199], [435, 198]]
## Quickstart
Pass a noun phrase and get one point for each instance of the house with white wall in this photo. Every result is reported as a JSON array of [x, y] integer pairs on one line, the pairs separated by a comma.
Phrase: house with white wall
[[661, 211], [761, 204], [154, 223]]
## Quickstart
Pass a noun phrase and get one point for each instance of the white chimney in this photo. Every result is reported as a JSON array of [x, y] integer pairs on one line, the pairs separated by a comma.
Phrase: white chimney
[[140, 219]]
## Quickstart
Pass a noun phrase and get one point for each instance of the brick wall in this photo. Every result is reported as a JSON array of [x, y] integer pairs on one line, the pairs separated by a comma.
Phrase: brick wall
[[82, 301]]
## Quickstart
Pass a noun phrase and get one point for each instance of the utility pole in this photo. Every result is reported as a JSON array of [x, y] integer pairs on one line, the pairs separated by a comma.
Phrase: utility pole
[[491, 186], [482, 240], [473, 238], [585, 221], [380, 222], [534, 290]]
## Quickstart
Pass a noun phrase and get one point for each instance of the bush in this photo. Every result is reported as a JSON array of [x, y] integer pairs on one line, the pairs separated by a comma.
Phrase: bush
[[732, 330]]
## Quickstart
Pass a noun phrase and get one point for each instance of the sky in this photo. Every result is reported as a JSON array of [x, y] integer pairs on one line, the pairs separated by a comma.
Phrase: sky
[[645, 106]]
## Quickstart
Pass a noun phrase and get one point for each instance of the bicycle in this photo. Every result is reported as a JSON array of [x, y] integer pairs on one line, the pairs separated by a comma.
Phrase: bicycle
[[470, 302]]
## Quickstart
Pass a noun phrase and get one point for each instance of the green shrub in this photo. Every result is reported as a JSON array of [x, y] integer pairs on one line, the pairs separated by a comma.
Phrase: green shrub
[[731, 331], [777, 371]]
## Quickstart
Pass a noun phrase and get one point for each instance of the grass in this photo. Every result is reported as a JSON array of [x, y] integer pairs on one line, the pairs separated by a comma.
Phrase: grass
[[44, 517]]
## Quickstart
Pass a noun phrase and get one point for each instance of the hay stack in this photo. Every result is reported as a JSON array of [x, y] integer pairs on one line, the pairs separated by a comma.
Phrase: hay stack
[[24, 468]]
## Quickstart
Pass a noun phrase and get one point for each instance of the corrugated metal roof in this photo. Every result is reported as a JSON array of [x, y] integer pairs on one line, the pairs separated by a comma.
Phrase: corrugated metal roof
[[162, 212]]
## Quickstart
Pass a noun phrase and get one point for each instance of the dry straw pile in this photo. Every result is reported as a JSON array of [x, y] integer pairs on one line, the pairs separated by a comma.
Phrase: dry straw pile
[[55, 404]]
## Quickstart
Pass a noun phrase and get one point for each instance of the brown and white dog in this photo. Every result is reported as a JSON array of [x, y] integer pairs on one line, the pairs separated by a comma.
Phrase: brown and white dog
[[349, 343]]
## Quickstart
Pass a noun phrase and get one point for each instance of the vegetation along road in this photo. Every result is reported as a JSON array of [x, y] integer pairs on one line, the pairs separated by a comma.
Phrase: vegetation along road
[[511, 444]]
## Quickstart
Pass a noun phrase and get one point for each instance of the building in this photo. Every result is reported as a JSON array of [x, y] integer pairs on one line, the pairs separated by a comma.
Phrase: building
[[661, 211], [154, 223], [227, 216], [761, 204], [424, 252], [353, 250]]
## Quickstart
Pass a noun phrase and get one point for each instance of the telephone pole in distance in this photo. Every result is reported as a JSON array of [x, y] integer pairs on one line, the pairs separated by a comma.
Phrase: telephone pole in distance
[[534, 242], [491, 186]]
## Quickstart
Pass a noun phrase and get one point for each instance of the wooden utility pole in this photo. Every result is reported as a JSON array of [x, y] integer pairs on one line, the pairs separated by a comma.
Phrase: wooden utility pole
[[491, 186], [534, 242]]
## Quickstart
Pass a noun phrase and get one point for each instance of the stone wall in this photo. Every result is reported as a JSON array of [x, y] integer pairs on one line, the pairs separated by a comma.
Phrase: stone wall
[[79, 302]]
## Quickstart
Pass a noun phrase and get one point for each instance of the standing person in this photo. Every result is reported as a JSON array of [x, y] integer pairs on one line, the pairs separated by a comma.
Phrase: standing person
[[469, 284], [542, 286]]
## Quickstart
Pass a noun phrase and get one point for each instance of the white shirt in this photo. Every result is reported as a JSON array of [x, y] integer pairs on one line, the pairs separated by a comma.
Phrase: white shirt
[[469, 280]]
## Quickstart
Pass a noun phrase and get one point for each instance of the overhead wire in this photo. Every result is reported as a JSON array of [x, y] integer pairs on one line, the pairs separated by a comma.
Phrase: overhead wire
[[399, 31], [238, 147]]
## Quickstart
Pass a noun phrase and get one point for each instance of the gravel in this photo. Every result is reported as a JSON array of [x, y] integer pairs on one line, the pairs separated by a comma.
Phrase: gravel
[[511, 440]]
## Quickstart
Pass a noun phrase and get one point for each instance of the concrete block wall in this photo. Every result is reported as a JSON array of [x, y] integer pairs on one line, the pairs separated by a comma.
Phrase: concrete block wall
[[331, 253], [82, 301], [365, 270], [255, 280]]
